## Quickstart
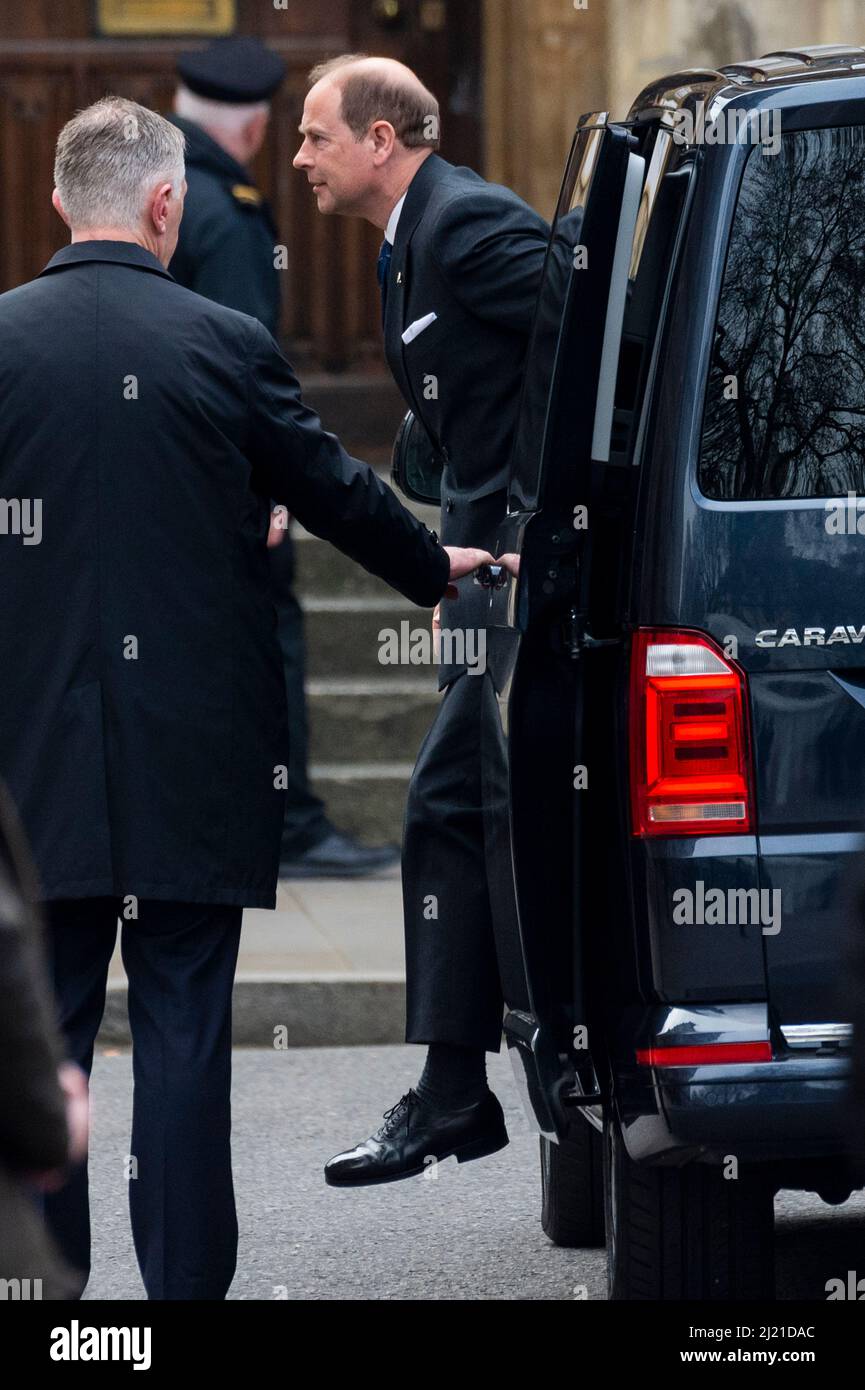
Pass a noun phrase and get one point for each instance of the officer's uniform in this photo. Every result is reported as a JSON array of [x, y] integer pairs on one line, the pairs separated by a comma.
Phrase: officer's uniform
[[228, 236], [226, 251]]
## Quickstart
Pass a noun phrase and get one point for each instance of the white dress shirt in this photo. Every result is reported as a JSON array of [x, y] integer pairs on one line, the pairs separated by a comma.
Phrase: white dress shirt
[[390, 229]]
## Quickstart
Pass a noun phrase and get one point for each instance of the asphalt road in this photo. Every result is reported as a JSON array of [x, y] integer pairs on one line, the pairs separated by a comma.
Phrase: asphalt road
[[471, 1233]]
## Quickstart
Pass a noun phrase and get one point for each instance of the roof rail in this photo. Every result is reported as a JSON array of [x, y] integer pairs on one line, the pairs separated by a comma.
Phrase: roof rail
[[818, 60], [669, 93], [790, 62]]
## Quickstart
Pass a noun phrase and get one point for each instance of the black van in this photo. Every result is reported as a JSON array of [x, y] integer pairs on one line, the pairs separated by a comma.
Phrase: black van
[[675, 688]]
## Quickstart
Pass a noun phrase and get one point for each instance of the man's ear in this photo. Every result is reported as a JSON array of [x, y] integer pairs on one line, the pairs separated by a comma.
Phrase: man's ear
[[59, 208], [159, 204], [383, 137], [254, 132]]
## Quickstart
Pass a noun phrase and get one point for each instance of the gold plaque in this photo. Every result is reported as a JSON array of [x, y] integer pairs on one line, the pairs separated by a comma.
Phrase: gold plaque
[[146, 17]]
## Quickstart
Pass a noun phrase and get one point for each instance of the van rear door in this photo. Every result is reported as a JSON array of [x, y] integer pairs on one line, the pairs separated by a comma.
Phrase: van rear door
[[533, 689], [767, 501]]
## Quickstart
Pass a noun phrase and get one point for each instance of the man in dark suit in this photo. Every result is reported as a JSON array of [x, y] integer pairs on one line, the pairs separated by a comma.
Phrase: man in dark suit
[[142, 703], [459, 268], [228, 250]]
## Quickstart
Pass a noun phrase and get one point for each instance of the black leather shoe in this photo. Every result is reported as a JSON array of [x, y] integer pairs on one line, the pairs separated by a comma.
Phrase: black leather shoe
[[412, 1134], [339, 856]]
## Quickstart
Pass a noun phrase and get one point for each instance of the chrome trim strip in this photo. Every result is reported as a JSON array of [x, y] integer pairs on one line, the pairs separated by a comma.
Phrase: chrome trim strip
[[593, 125], [654, 175], [604, 400], [814, 1035]]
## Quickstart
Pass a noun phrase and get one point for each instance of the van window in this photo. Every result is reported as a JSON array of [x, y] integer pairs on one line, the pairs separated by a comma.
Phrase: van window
[[785, 404]]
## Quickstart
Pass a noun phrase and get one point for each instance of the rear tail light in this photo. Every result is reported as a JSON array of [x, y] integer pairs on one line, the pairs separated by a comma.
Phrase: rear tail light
[[705, 1054], [690, 752]]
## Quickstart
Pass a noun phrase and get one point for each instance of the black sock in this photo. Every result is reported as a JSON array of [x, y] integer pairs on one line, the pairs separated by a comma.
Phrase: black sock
[[453, 1076]]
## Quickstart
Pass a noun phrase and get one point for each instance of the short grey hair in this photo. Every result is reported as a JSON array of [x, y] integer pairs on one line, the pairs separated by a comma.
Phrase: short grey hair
[[109, 156], [221, 116]]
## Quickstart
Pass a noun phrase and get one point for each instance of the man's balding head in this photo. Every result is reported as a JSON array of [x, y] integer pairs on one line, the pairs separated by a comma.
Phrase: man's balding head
[[368, 123], [382, 89]]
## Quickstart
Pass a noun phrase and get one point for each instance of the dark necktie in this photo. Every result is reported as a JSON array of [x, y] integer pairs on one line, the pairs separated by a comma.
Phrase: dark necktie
[[383, 269]]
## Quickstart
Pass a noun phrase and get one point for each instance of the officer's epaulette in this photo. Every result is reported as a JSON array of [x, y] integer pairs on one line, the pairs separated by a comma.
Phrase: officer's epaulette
[[245, 193]]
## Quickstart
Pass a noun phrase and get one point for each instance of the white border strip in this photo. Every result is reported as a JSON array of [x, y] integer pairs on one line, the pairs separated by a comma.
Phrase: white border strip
[[631, 195]]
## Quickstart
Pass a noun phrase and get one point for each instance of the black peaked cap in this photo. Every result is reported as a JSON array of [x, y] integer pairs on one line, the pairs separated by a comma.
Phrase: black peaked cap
[[237, 70]]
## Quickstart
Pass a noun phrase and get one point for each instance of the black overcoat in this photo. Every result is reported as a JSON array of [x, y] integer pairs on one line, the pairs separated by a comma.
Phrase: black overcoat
[[143, 431]]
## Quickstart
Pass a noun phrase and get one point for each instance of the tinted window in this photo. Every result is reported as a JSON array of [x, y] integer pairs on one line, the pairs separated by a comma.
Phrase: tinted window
[[791, 327], [558, 401]]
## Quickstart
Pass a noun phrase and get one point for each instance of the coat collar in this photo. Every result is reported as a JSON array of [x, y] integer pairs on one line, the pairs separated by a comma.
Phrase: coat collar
[[119, 252], [203, 152], [433, 169]]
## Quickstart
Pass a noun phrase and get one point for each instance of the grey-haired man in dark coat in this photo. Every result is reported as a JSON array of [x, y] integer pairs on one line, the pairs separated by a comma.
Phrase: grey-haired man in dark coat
[[142, 703]]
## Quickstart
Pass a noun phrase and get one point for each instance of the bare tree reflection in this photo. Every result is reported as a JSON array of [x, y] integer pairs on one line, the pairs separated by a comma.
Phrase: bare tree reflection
[[791, 327]]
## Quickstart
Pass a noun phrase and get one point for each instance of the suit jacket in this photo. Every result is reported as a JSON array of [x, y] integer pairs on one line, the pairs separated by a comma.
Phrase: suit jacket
[[228, 236], [142, 698], [471, 252]]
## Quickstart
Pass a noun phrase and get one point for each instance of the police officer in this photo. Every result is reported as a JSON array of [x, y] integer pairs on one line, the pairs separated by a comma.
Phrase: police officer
[[226, 251]]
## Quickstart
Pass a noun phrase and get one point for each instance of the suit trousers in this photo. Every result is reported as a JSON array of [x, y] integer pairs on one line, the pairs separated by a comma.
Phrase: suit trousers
[[180, 960], [453, 992]]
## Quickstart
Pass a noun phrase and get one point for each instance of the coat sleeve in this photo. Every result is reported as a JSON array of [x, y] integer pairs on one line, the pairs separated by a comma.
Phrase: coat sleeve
[[490, 246], [336, 497], [33, 1130]]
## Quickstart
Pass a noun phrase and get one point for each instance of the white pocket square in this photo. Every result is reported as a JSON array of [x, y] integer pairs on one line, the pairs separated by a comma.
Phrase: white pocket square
[[418, 327]]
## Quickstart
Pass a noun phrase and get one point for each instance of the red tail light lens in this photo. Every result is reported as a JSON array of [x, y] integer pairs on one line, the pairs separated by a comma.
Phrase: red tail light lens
[[705, 1054], [690, 752]]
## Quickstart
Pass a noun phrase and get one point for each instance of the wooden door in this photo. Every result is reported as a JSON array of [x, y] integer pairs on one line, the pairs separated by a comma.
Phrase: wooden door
[[53, 62]]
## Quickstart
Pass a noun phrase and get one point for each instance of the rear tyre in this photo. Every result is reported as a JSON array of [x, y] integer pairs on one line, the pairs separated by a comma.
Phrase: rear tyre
[[685, 1233], [572, 1188]]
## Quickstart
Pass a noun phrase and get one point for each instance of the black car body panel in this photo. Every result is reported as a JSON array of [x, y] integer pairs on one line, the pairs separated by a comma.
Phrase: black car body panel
[[587, 940]]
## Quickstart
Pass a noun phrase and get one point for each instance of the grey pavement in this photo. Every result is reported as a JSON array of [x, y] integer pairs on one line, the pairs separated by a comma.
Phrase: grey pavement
[[471, 1233]]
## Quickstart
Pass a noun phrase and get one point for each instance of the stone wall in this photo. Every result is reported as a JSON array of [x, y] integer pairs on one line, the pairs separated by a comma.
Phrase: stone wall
[[548, 61]]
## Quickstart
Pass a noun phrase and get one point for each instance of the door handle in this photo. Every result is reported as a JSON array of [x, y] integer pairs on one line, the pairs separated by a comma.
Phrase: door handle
[[491, 576]]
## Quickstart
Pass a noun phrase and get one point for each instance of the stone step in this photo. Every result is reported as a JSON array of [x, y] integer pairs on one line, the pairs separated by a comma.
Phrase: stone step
[[343, 635], [362, 408], [370, 721], [364, 799]]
